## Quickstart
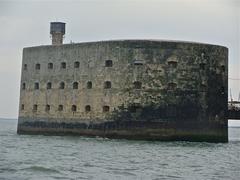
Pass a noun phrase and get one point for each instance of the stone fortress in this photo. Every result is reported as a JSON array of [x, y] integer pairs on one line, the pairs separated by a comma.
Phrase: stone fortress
[[133, 89]]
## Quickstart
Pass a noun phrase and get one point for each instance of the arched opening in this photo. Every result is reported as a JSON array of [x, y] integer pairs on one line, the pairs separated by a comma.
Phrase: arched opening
[[108, 63], [75, 85], [172, 64], [63, 65], [202, 66], [106, 108], [172, 86], [35, 107], [37, 66], [49, 85], [137, 85], [50, 65], [36, 85], [76, 64], [107, 85], [23, 86], [22, 107], [47, 108], [60, 107], [25, 66], [88, 108], [89, 85], [74, 108], [223, 69], [61, 85]]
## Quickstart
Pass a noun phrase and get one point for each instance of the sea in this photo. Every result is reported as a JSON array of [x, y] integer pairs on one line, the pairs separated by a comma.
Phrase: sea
[[38, 157]]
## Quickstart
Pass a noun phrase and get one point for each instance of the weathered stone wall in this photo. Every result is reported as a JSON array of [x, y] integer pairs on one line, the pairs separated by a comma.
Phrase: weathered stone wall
[[151, 81]]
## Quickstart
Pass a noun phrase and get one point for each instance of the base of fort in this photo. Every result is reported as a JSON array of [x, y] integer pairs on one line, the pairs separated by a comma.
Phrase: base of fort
[[134, 130]]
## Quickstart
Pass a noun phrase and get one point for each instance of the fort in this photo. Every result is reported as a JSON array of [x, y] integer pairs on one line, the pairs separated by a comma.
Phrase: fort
[[132, 89]]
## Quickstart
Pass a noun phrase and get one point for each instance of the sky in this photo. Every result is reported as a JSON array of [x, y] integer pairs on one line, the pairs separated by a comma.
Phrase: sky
[[26, 23]]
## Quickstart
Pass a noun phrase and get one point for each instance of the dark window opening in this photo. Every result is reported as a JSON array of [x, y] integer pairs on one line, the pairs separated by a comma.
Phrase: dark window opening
[[24, 86], [36, 85], [202, 66], [108, 63], [35, 107], [88, 108], [47, 108], [22, 107], [75, 85], [60, 108], [172, 64], [38, 66], [50, 65], [107, 85], [223, 68], [25, 66], [203, 88], [63, 65], [222, 90], [171, 111], [135, 108], [76, 64], [172, 86], [138, 62], [62, 85], [106, 108], [137, 85], [74, 108], [49, 85], [89, 85]]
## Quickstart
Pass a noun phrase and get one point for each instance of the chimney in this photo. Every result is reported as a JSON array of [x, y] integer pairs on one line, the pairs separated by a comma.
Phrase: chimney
[[57, 31]]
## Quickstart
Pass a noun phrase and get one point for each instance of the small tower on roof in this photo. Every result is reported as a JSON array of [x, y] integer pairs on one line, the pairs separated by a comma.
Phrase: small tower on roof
[[57, 31]]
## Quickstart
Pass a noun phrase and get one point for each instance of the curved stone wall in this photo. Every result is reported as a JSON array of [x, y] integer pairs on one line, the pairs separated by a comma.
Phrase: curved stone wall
[[125, 81]]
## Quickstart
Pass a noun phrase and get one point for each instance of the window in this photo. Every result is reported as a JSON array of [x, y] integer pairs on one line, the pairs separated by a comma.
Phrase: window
[[107, 85], [63, 65], [172, 64], [23, 86], [60, 107], [61, 85], [106, 108], [76, 64], [37, 66], [138, 62], [75, 85], [108, 63], [47, 108], [49, 85], [88, 108], [35, 107], [89, 85], [50, 65], [25, 66], [22, 107], [223, 68], [203, 88], [172, 86], [36, 85], [137, 85], [74, 108], [202, 66], [135, 108]]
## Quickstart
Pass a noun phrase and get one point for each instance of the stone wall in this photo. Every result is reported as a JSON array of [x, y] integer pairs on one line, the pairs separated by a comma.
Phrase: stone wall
[[150, 81]]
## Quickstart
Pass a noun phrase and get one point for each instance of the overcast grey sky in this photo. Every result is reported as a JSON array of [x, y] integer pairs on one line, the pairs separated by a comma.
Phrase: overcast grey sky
[[26, 23]]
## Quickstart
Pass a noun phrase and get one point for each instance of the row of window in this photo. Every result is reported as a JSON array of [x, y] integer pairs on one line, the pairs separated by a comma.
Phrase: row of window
[[61, 108], [109, 63], [75, 85], [63, 65]]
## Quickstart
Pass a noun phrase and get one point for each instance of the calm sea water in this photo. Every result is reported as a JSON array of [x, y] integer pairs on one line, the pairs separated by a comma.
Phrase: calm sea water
[[57, 157]]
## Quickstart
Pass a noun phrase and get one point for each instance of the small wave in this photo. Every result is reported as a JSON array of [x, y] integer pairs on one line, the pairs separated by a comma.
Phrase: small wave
[[41, 169]]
